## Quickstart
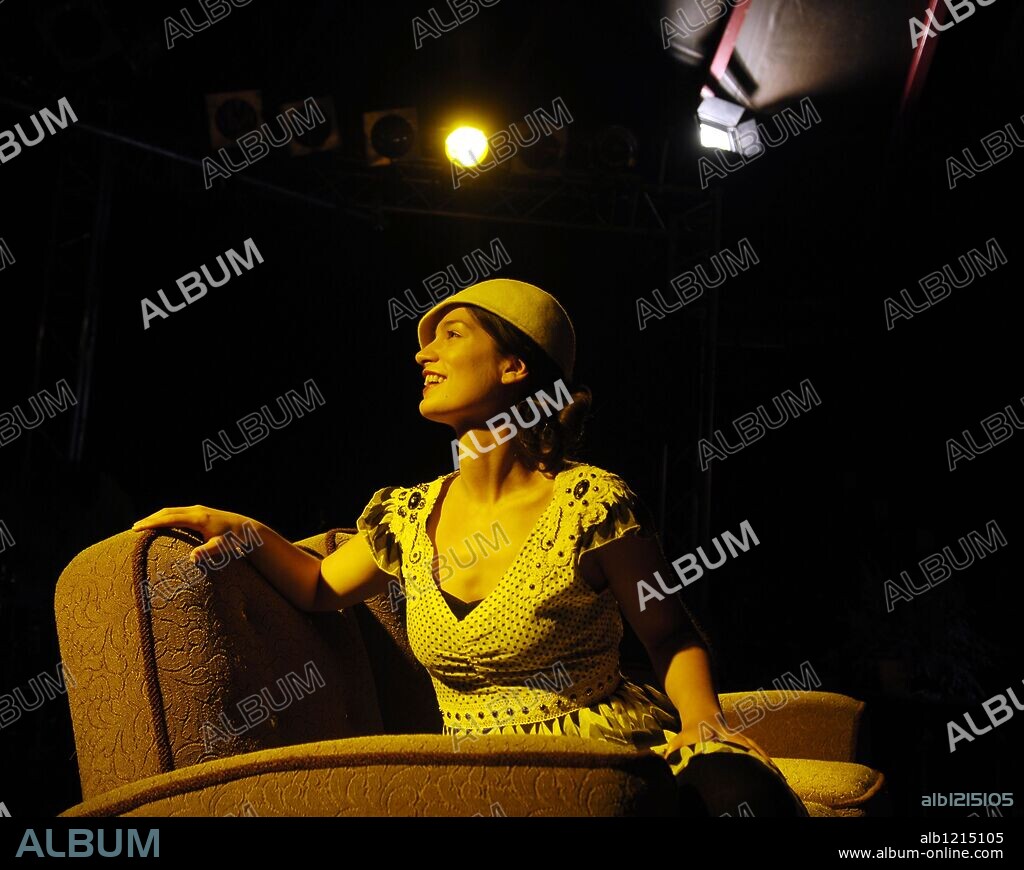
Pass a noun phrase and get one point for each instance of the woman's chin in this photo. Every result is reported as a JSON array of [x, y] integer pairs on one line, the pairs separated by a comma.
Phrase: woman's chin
[[445, 417], [429, 412]]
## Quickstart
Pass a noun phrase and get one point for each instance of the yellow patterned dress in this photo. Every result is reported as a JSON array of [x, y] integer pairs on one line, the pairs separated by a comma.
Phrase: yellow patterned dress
[[540, 653]]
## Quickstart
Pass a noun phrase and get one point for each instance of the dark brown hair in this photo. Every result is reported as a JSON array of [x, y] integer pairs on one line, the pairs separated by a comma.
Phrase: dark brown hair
[[556, 438]]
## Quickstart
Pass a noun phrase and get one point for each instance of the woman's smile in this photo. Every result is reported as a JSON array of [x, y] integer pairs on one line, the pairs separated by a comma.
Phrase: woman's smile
[[432, 379], [485, 377]]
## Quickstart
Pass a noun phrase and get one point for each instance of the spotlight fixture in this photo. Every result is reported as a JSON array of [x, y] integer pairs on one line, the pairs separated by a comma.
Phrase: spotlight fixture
[[721, 126], [545, 157], [323, 137], [391, 135], [78, 32], [233, 114], [616, 147], [466, 146]]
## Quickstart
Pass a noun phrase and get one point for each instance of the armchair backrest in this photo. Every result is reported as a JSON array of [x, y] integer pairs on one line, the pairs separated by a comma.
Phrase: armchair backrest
[[171, 667]]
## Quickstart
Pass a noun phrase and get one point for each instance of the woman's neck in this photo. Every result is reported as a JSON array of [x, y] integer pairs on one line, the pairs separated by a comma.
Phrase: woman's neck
[[498, 476]]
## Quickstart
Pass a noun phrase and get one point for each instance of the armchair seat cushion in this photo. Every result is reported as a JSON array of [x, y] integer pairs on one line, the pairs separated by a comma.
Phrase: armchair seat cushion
[[424, 775], [408, 775]]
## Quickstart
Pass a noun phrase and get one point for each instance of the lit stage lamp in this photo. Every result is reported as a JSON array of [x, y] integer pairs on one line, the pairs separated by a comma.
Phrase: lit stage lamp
[[391, 135], [721, 127], [466, 146]]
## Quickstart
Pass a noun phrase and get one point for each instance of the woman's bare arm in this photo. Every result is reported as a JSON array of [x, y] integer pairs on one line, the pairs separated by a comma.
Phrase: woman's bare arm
[[346, 577], [677, 652], [349, 575]]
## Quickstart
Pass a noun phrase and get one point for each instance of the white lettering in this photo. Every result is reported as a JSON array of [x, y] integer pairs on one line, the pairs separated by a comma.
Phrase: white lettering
[[62, 122]]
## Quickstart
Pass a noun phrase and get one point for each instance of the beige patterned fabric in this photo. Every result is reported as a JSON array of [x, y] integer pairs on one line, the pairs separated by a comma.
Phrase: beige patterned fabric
[[798, 724], [845, 788], [408, 775]]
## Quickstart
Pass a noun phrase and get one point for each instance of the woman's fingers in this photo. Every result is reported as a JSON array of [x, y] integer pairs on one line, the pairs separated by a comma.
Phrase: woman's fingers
[[748, 742], [218, 550], [759, 748], [194, 517], [205, 551], [688, 738], [705, 730], [212, 524]]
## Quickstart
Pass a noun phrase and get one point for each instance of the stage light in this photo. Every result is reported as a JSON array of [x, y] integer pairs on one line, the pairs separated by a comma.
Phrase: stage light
[[721, 127], [391, 135], [232, 114], [466, 146], [712, 137], [616, 148], [322, 137], [545, 157], [78, 32]]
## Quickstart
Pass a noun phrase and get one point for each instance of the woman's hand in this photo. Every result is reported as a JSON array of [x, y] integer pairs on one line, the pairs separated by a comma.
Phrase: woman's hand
[[711, 725], [212, 524]]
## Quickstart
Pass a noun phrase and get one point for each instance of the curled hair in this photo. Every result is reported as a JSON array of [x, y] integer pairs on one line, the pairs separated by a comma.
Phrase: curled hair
[[556, 437]]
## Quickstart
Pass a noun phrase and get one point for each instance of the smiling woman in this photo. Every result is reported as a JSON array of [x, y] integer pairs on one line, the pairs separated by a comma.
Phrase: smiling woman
[[556, 597], [550, 602]]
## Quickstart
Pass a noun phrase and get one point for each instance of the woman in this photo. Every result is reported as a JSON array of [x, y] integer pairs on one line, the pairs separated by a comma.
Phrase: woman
[[525, 638]]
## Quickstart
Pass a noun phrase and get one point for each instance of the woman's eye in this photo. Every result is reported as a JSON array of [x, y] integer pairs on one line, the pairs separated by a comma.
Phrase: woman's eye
[[452, 332]]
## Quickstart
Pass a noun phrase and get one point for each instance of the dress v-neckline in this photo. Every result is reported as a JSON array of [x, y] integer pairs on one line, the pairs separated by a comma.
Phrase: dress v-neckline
[[429, 566]]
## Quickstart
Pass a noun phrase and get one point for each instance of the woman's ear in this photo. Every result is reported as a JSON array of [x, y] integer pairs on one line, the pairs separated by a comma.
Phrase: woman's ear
[[515, 371]]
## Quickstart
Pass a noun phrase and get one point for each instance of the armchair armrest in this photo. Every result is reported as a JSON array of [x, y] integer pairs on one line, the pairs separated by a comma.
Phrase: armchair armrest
[[787, 724]]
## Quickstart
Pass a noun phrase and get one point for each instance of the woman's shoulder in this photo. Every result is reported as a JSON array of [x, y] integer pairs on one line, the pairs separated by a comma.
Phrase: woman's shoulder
[[404, 498], [391, 518], [590, 492], [582, 477], [603, 503]]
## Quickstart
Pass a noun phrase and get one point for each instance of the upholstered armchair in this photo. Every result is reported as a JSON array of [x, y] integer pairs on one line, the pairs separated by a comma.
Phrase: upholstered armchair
[[211, 695]]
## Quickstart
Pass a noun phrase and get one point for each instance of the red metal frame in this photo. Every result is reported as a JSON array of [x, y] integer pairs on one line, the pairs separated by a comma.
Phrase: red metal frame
[[922, 58], [727, 46]]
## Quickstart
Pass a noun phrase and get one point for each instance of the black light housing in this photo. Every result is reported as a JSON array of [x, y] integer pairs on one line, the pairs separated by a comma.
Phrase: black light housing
[[616, 147], [232, 114], [391, 135], [322, 137]]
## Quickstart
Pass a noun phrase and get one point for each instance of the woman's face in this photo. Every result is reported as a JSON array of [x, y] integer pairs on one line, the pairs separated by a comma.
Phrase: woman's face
[[476, 380]]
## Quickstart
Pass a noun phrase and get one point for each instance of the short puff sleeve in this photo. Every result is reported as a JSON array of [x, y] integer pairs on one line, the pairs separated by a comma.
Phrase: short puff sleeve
[[610, 509], [381, 526]]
